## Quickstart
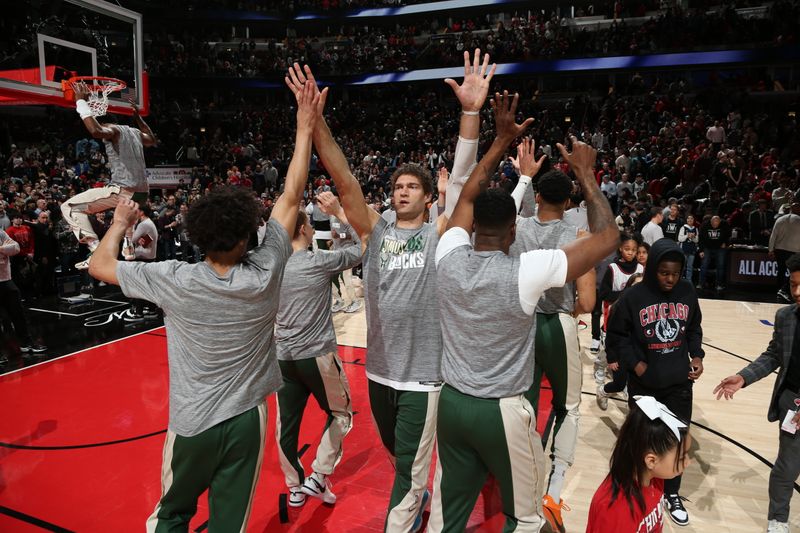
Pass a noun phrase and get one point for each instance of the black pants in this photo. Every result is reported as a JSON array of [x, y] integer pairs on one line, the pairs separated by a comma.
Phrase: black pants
[[597, 312], [678, 399], [619, 378], [12, 302], [783, 280]]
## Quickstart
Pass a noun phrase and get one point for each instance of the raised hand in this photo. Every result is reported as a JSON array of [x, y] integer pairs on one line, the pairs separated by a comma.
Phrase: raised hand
[[297, 78], [125, 214], [582, 158], [441, 182], [309, 101], [505, 109], [525, 163], [132, 101], [328, 203], [80, 89], [728, 386], [473, 90]]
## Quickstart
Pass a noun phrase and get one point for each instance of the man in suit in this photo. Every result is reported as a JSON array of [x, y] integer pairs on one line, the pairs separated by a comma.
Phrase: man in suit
[[783, 352], [761, 222]]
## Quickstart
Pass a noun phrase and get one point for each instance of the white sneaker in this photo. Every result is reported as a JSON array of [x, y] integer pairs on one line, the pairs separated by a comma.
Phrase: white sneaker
[[595, 347], [318, 486], [296, 496], [599, 373], [624, 393], [337, 306], [777, 527], [602, 397], [83, 265], [353, 307]]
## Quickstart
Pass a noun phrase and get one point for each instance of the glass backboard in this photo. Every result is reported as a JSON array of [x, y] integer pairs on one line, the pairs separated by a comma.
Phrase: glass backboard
[[47, 41]]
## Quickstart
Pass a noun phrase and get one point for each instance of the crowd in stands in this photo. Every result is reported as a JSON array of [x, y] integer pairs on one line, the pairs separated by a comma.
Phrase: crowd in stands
[[658, 145], [518, 37]]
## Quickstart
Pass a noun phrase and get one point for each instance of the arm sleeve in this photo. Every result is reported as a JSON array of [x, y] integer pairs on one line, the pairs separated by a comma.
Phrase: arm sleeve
[[275, 250], [769, 360], [464, 162], [453, 238], [8, 246], [540, 270], [619, 333], [519, 191], [147, 281], [335, 261]]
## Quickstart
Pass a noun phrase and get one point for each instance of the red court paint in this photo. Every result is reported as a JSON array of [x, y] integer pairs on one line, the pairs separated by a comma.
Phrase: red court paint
[[102, 411]]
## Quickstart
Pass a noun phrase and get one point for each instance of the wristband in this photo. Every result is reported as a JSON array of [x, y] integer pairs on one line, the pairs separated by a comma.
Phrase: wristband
[[470, 113], [524, 177], [83, 108]]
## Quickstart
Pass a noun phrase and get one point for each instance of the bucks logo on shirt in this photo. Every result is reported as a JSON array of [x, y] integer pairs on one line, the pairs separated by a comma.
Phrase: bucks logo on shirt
[[399, 254]]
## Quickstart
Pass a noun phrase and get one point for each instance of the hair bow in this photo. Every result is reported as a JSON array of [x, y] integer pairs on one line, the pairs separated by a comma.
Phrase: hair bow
[[655, 409]]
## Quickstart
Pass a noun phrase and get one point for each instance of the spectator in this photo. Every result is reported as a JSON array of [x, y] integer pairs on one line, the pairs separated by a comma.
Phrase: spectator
[[671, 226], [689, 238], [714, 239], [10, 297], [783, 243], [761, 223], [652, 231]]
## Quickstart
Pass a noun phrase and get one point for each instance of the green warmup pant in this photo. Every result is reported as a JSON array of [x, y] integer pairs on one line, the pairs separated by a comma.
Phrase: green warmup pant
[[475, 437], [224, 459], [558, 356], [323, 378], [406, 422]]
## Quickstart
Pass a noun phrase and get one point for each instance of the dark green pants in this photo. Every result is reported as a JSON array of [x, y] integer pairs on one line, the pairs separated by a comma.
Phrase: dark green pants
[[558, 357], [406, 422], [323, 378], [224, 459], [475, 437]]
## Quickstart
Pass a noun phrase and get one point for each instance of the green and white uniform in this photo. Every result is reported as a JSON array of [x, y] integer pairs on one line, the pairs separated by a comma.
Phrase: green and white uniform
[[557, 351], [486, 424], [309, 361], [222, 365], [404, 353]]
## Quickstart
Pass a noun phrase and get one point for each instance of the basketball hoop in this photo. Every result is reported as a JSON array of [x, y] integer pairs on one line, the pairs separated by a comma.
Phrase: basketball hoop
[[99, 89]]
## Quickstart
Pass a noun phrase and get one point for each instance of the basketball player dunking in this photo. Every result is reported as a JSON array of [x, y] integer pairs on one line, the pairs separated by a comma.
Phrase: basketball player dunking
[[124, 148]]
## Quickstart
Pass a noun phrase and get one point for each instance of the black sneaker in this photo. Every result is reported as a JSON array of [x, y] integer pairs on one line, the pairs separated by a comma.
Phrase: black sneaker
[[130, 317], [150, 313], [33, 348], [785, 296], [675, 509]]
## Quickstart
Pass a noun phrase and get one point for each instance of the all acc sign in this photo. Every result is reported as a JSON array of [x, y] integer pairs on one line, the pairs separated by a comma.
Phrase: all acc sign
[[749, 267], [168, 176]]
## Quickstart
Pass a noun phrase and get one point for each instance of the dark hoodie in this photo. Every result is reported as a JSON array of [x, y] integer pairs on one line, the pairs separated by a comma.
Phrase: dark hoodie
[[660, 328]]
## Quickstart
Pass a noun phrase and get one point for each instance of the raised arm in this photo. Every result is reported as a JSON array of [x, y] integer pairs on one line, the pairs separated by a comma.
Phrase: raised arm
[[527, 166], [583, 254], [359, 215], [471, 95], [330, 205], [104, 259], [505, 108], [148, 137], [97, 130], [308, 100]]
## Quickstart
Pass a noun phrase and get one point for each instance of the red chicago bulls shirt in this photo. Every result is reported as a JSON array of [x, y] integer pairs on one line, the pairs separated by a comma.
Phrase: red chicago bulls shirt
[[616, 517]]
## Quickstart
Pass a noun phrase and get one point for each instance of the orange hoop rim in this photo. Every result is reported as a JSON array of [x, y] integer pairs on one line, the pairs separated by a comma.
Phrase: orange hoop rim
[[117, 86]]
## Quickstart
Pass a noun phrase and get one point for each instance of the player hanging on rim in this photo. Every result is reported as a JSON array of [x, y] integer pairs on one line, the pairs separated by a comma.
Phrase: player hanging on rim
[[404, 342], [125, 151]]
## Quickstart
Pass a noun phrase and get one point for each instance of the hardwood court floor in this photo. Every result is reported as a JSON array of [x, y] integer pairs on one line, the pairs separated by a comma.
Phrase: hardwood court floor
[[81, 438]]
